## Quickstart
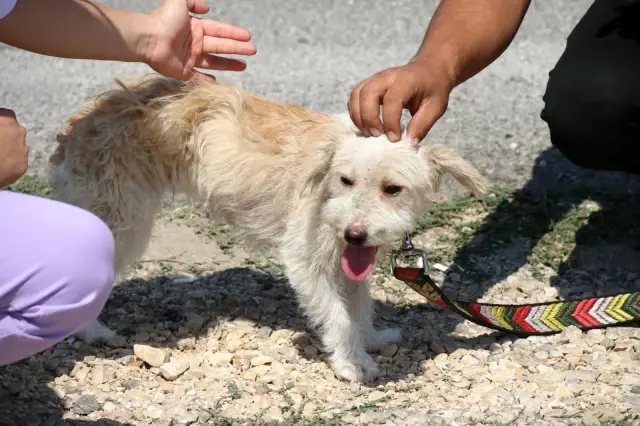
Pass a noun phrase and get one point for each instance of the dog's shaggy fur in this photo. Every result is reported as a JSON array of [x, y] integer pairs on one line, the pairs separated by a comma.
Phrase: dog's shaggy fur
[[306, 183]]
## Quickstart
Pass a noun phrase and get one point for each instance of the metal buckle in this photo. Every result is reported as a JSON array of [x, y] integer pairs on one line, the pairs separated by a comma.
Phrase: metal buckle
[[408, 250]]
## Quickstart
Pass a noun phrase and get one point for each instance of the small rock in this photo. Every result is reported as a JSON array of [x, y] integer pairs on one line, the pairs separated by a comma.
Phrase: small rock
[[462, 329], [264, 332], [235, 335], [194, 322], [570, 334], [250, 375], [142, 337], [126, 360], [80, 373], [235, 344], [623, 345], [310, 351], [301, 339], [186, 343], [109, 406], [541, 355], [261, 370], [101, 374], [469, 360], [389, 351], [607, 343], [376, 395], [174, 369], [441, 360], [271, 378], [594, 337], [279, 335], [495, 347], [129, 384], [273, 414], [203, 417], [184, 419], [86, 405], [501, 373], [153, 356], [309, 410], [154, 411], [52, 364], [219, 359], [183, 280], [261, 360]]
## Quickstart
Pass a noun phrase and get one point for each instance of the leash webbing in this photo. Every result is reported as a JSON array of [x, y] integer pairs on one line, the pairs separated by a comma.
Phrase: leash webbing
[[528, 319]]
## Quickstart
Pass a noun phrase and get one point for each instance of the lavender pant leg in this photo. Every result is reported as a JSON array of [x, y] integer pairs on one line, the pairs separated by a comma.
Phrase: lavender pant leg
[[56, 272]]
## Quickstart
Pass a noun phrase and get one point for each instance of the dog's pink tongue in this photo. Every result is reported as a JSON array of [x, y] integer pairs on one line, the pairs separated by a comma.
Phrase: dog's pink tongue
[[358, 261]]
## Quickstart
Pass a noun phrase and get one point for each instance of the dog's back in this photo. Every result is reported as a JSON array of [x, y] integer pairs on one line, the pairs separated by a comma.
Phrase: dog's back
[[248, 158]]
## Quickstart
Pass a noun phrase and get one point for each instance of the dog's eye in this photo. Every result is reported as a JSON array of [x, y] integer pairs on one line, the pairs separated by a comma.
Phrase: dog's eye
[[346, 181], [392, 189]]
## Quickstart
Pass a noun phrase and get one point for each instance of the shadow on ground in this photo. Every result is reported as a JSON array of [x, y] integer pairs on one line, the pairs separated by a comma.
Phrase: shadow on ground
[[598, 252], [163, 312], [581, 226]]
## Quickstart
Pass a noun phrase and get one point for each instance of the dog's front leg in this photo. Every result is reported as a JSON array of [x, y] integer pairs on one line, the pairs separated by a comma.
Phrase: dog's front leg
[[326, 301], [361, 309]]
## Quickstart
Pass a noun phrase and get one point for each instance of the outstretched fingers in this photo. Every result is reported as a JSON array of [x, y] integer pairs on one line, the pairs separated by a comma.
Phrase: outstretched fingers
[[219, 63], [228, 46], [224, 30]]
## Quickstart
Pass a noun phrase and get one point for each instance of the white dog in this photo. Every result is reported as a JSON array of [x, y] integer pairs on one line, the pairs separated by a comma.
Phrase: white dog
[[307, 183]]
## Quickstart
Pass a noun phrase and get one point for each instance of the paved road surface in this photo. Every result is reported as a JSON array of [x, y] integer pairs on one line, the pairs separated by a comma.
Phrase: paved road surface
[[314, 52]]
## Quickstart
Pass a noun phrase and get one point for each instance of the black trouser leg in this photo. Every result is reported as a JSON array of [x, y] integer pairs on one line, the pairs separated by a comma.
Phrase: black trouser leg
[[592, 101]]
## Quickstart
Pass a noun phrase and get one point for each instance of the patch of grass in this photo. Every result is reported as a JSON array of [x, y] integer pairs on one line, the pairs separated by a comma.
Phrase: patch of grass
[[268, 266], [234, 392], [32, 185], [554, 247], [369, 406], [614, 422]]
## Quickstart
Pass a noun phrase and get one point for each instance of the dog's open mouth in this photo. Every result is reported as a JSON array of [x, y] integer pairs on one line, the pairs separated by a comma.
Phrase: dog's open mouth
[[358, 261]]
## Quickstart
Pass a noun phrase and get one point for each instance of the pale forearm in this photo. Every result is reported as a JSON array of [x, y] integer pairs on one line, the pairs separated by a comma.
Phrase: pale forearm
[[77, 29], [468, 35]]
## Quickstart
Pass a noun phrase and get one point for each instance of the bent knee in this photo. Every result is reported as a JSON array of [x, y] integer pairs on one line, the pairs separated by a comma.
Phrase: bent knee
[[91, 256], [83, 273], [592, 117]]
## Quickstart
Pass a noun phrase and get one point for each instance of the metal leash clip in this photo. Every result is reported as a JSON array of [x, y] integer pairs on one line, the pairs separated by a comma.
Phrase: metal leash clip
[[407, 250]]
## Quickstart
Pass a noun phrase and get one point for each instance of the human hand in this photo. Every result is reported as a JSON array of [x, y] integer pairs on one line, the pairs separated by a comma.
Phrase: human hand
[[184, 43], [14, 152], [421, 86]]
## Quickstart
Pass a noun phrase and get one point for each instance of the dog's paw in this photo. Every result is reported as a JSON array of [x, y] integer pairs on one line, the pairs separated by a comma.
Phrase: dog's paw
[[363, 370], [96, 332], [378, 339]]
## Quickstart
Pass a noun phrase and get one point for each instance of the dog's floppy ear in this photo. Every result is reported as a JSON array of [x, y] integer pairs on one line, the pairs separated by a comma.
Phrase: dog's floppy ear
[[445, 160], [316, 165]]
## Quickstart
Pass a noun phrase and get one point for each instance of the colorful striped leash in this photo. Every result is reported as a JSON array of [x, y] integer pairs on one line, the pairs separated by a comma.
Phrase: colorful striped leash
[[525, 320]]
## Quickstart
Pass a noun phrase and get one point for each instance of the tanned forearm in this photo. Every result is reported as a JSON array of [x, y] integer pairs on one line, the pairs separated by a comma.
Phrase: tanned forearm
[[466, 36], [76, 29]]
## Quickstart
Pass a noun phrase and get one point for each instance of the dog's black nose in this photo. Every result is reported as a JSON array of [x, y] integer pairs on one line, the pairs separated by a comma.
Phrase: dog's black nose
[[355, 235]]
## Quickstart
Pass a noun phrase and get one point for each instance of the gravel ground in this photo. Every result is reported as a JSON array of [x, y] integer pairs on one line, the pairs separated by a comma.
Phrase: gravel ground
[[212, 335]]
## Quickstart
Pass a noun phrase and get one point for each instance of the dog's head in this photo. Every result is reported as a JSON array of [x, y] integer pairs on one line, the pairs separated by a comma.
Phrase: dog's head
[[375, 190]]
